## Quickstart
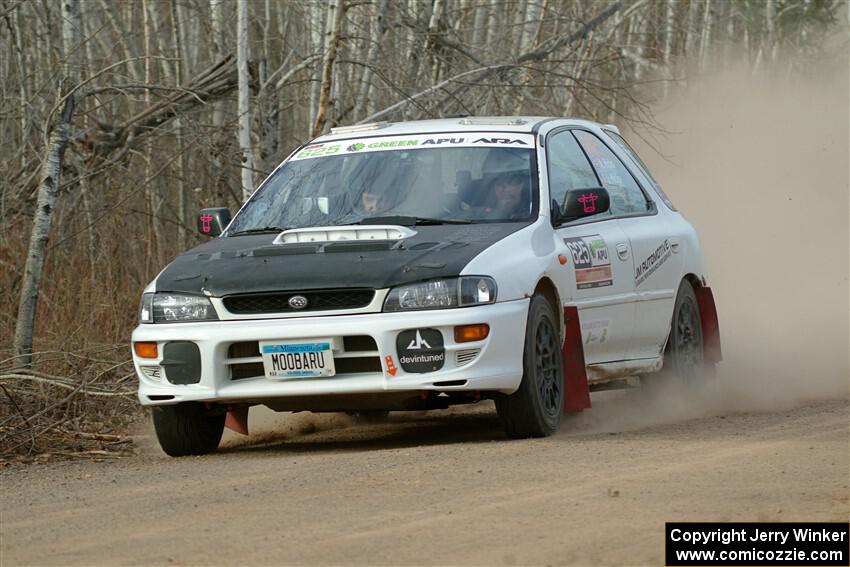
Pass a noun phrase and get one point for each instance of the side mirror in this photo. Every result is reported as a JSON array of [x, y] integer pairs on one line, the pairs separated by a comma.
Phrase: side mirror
[[580, 203], [555, 213], [212, 222]]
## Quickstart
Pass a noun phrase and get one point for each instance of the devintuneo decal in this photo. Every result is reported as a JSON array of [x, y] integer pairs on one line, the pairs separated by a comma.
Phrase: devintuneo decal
[[591, 261], [652, 262]]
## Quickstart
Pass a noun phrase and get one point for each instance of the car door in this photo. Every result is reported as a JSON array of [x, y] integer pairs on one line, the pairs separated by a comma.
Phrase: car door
[[654, 247], [598, 279]]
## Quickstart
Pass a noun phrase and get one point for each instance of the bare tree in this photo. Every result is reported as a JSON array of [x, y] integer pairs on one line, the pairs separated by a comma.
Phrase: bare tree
[[58, 134], [336, 13], [244, 98]]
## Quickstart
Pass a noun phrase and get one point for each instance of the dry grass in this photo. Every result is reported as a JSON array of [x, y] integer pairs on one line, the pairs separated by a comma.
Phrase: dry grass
[[78, 398]]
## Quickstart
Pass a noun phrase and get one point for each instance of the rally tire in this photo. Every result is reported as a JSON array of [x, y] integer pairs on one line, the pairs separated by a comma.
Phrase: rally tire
[[187, 429], [535, 409], [684, 356]]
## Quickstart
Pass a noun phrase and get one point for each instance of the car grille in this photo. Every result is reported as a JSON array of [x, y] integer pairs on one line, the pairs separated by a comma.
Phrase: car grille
[[278, 302], [359, 354]]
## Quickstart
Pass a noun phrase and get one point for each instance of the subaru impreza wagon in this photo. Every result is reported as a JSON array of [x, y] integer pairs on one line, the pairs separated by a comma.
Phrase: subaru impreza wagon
[[418, 265]]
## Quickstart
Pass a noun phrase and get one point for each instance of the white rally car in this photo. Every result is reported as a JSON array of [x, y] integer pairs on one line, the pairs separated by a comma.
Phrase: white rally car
[[418, 265]]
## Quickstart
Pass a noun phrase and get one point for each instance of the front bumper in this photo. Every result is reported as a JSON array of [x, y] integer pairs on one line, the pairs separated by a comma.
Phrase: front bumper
[[496, 366]]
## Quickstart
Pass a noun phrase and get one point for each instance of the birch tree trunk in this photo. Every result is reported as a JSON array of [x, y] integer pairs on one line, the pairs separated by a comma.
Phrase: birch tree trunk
[[217, 25], [705, 38], [242, 56], [668, 44], [420, 13], [433, 30], [770, 21], [516, 32], [267, 104], [479, 28], [128, 48], [157, 241], [691, 27], [317, 35], [336, 11], [182, 192], [22, 82], [57, 141], [531, 27], [379, 28]]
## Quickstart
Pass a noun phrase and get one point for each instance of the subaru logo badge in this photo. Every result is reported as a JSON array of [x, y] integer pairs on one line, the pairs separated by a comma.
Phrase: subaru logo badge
[[298, 302]]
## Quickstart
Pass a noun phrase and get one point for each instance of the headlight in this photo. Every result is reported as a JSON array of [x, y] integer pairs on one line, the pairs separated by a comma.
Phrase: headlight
[[442, 294], [146, 308], [173, 307]]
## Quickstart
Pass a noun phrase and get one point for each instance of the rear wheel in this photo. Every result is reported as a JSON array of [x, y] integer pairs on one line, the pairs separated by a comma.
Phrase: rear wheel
[[684, 357], [534, 410], [187, 429], [684, 361]]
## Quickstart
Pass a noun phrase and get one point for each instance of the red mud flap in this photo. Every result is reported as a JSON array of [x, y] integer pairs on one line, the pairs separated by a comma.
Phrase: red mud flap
[[710, 325], [576, 390], [237, 419]]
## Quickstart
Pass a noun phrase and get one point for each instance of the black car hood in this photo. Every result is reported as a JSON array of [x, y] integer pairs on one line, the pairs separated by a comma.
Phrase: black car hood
[[251, 263]]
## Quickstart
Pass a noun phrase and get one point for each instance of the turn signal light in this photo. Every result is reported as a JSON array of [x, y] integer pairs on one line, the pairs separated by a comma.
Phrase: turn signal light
[[145, 350], [469, 333]]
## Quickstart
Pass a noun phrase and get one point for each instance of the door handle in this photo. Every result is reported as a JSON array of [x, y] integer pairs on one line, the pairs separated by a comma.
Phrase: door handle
[[674, 244], [622, 251]]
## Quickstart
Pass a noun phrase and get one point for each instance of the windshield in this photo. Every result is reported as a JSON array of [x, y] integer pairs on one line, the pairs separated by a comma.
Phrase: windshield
[[446, 178]]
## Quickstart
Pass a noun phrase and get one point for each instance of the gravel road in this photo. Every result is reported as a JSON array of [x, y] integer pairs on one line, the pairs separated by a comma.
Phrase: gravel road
[[437, 488]]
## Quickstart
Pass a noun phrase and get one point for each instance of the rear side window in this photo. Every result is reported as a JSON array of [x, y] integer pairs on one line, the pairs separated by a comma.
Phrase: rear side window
[[626, 196], [642, 166]]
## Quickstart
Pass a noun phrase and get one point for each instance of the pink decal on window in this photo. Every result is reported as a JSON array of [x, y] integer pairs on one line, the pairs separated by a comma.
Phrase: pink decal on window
[[588, 202], [206, 223]]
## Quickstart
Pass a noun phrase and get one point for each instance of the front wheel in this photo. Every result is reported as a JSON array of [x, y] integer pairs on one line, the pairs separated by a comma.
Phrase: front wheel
[[534, 410], [187, 429]]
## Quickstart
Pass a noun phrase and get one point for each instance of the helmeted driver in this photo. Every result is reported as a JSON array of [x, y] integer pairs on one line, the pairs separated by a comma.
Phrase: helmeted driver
[[387, 190], [506, 173]]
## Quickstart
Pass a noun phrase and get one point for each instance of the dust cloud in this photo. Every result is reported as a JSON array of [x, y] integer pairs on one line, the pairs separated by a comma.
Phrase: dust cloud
[[760, 167], [267, 427]]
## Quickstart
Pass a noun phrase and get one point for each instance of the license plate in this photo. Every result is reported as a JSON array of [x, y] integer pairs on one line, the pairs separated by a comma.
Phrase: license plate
[[298, 359]]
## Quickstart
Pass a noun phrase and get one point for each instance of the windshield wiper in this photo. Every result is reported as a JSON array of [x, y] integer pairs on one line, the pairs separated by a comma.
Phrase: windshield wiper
[[406, 220], [258, 230]]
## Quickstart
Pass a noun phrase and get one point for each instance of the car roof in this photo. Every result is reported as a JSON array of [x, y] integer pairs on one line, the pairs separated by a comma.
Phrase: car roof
[[518, 124]]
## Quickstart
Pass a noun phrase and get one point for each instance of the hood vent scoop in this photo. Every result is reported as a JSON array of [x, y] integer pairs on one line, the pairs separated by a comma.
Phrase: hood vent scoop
[[338, 233]]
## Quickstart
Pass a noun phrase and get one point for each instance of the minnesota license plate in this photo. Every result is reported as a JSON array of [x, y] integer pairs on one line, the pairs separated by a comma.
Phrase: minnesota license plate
[[298, 359]]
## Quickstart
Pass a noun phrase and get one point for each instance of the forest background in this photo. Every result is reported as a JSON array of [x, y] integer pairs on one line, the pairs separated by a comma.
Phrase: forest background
[[120, 119]]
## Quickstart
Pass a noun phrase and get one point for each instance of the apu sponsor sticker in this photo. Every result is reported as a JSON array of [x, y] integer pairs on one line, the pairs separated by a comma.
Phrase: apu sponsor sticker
[[591, 261]]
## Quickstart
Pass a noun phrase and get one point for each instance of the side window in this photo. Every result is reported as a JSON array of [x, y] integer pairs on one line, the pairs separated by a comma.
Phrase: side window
[[639, 162], [626, 195], [568, 166]]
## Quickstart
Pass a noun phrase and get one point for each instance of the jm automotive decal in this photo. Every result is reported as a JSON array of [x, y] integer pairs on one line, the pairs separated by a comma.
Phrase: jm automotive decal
[[652, 262], [591, 260], [384, 143]]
